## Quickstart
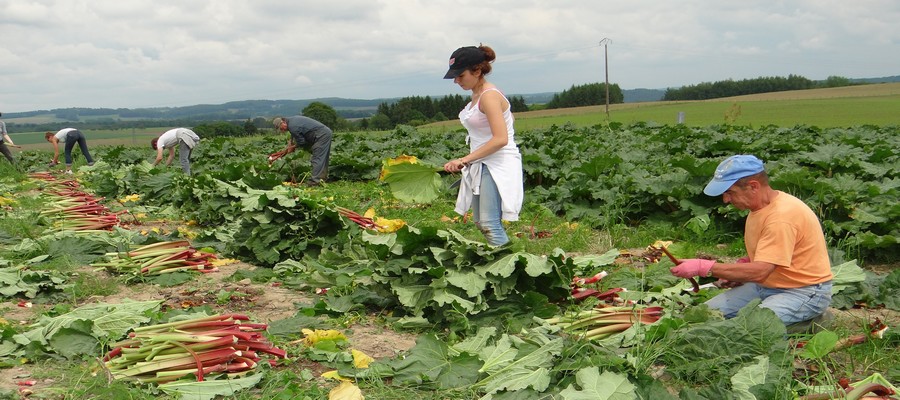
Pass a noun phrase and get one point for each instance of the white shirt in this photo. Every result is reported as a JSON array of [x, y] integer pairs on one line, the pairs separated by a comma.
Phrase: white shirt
[[61, 135], [504, 165], [171, 137]]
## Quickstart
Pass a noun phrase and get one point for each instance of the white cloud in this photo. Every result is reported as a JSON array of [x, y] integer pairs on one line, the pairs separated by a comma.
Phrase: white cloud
[[141, 53]]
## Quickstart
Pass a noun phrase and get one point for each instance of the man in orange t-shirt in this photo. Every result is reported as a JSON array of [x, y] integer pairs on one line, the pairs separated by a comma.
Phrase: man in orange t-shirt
[[787, 264]]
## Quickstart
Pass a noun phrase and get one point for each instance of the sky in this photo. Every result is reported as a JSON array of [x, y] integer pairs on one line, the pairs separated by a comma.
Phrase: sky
[[172, 53]]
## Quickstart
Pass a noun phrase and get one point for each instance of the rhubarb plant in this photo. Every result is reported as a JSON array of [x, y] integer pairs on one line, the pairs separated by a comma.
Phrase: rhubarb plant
[[21, 281], [80, 332]]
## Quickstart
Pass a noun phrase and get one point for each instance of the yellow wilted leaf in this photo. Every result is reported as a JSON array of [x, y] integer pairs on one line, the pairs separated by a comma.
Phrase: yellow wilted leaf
[[661, 243], [185, 232], [388, 225], [334, 375], [222, 261], [345, 391], [131, 198], [140, 215], [360, 359], [312, 337], [3, 321], [154, 230], [370, 213], [6, 201], [403, 159]]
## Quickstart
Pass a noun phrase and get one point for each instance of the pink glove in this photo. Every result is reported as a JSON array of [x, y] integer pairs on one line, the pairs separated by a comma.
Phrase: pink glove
[[691, 267]]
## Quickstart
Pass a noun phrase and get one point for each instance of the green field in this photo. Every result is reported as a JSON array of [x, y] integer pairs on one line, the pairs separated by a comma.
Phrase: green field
[[36, 141], [825, 108]]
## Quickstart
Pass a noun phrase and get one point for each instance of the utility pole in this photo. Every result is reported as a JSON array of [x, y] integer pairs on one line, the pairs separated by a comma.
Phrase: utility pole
[[605, 42]]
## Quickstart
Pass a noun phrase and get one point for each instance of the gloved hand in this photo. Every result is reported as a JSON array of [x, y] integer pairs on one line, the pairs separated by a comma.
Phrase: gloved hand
[[691, 267], [743, 260], [54, 163]]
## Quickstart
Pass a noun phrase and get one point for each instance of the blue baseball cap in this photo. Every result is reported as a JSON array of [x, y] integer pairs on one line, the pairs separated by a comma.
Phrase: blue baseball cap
[[730, 170]]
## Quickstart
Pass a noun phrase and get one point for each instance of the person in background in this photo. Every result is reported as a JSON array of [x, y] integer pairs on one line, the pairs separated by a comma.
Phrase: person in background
[[69, 137], [492, 182], [311, 134], [787, 265], [4, 148], [184, 138]]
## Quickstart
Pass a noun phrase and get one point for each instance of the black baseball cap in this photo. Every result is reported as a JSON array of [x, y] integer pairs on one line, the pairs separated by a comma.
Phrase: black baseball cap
[[462, 59]]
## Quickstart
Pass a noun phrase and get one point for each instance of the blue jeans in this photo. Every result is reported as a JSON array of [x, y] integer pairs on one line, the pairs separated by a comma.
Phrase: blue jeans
[[72, 138], [321, 154], [486, 210], [791, 305], [184, 156]]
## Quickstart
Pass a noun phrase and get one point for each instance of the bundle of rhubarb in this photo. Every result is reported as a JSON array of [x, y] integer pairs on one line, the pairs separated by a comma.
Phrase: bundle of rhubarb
[[363, 221], [227, 345], [74, 210], [160, 258], [278, 154], [601, 322], [583, 288]]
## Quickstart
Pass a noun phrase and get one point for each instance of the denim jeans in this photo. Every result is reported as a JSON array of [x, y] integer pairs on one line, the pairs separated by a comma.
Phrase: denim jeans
[[321, 154], [5, 150], [76, 137], [184, 156], [486, 210], [791, 305]]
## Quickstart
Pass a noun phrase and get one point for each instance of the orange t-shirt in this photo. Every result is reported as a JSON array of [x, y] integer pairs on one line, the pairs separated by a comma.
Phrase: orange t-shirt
[[787, 233]]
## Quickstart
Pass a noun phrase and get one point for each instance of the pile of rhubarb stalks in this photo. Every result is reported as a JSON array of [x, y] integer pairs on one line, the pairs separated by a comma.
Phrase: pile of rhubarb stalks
[[159, 258], [208, 347], [72, 209], [610, 316]]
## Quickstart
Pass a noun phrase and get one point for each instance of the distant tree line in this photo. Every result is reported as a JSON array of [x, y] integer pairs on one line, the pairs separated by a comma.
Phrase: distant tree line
[[729, 88], [419, 110], [586, 95]]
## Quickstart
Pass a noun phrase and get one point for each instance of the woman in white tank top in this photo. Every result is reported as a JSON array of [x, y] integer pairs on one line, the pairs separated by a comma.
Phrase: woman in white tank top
[[492, 184]]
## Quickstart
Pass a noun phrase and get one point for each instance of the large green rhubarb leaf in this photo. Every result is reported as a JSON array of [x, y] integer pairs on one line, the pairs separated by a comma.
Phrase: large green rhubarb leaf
[[410, 180], [208, 390], [516, 370], [431, 363], [596, 386]]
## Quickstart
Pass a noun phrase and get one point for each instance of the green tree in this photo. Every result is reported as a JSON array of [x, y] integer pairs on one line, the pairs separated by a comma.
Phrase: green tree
[[837, 81], [380, 122], [587, 95], [323, 113], [249, 127], [517, 104], [214, 129]]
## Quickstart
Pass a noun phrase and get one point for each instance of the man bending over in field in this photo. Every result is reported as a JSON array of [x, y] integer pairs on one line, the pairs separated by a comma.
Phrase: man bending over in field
[[184, 138], [787, 264], [309, 133]]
